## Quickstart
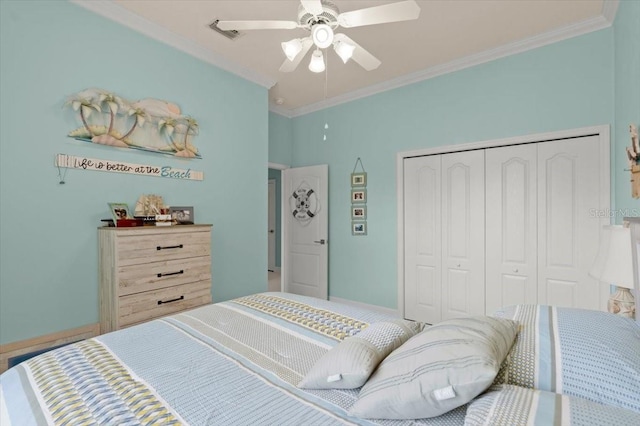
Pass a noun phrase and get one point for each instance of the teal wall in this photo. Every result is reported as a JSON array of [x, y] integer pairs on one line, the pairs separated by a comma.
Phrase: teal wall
[[560, 86], [280, 139], [627, 101], [48, 245], [277, 175]]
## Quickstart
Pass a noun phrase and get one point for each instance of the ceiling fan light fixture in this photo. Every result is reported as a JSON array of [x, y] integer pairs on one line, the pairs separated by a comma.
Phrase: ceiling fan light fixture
[[322, 35], [291, 48], [317, 61], [344, 50]]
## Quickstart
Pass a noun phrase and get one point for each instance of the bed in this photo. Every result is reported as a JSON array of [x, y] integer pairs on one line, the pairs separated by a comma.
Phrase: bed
[[244, 361]]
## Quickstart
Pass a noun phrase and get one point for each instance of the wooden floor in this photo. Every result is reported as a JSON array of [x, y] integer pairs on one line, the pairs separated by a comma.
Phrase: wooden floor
[[274, 281]]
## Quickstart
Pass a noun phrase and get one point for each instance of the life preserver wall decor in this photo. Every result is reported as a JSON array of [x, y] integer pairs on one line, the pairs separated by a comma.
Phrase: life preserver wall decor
[[304, 203]]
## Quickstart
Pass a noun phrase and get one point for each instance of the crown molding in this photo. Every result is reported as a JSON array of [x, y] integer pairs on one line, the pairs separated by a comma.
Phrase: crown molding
[[550, 37], [610, 9], [123, 16], [277, 109]]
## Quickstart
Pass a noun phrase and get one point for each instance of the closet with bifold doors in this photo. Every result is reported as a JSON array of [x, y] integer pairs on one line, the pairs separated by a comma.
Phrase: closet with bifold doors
[[505, 225]]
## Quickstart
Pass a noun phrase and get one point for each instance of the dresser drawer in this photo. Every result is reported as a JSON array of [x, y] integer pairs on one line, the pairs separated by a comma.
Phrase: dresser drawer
[[137, 249], [141, 307], [157, 275]]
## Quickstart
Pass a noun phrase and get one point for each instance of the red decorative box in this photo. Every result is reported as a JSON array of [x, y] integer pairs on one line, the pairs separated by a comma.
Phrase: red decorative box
[[127, 223]]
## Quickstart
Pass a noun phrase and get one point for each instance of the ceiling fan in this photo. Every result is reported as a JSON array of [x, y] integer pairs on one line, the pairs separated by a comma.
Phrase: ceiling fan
[[321, 18]]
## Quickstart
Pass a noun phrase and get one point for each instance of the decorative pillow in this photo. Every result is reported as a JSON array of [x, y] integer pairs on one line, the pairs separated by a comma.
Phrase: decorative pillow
[[589, 354], [442, 368], [349, 364], [508, 405]]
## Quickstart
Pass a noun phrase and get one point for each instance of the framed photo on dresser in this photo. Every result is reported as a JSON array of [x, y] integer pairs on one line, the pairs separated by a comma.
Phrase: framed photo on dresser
[[182, 215], [119, 211]]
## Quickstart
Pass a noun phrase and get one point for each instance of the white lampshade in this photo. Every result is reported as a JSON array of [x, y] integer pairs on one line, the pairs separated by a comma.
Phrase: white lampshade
[[291, 48], [344, 50], [317, 61], [613, 264], [322, 35]]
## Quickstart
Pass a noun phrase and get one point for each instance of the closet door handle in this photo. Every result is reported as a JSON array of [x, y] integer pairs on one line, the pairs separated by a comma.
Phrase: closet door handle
[[160, 302], [168, 247], [166, 274]]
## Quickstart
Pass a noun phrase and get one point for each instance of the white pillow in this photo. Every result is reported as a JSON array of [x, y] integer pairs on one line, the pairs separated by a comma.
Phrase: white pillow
[[349, 364], [444, 367]]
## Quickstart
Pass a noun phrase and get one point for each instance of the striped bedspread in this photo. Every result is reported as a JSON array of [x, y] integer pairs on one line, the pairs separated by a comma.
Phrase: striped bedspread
[[232, 363], [578, 352], [508, 405]]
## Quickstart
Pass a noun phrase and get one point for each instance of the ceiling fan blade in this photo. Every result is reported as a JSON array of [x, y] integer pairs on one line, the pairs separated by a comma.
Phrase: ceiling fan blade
[[394, 12], [314, 7], [360, 55], [257, 25], [288, 66]]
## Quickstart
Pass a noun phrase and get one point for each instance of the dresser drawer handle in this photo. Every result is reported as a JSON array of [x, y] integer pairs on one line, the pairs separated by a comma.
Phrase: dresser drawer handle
[[169, 247], [166, 274], [160, 302]]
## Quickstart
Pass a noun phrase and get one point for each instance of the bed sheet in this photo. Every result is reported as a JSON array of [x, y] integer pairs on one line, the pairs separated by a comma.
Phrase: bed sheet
[[232, 363]]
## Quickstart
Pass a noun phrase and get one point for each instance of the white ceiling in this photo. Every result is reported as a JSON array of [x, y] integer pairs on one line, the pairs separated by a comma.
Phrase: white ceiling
[[448, 35]]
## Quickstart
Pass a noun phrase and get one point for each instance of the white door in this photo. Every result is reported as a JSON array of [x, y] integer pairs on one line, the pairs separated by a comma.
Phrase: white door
[[422, 236], [305, 210], [463, 280], [271, 226], [568, 193], [511, 215]]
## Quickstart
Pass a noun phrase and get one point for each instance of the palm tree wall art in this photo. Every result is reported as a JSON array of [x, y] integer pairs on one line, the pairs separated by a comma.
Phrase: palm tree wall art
[[151, 125]]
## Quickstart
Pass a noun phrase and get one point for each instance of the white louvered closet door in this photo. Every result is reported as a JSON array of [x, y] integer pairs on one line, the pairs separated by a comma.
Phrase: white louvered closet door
[[568, 192], [511, 236], [463, 215], [422, 236]]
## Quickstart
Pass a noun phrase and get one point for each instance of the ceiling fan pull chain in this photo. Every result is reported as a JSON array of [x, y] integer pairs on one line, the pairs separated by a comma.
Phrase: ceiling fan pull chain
[[326, 79]]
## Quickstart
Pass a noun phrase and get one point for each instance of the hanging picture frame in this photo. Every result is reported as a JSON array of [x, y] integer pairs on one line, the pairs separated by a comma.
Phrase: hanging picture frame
[[359, 228], [358, 179], [358, 212], [358, 196], [358, 200]]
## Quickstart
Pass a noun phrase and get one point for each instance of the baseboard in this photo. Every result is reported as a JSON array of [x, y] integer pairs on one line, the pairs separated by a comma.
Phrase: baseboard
[[39, 343], [375, 308]]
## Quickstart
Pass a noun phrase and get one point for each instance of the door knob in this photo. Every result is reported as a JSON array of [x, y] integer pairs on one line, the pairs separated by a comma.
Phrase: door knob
[[271, 231], [321, 242]]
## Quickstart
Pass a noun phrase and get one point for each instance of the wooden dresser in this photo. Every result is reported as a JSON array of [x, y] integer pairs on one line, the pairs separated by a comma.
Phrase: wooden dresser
[[152, 271]]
